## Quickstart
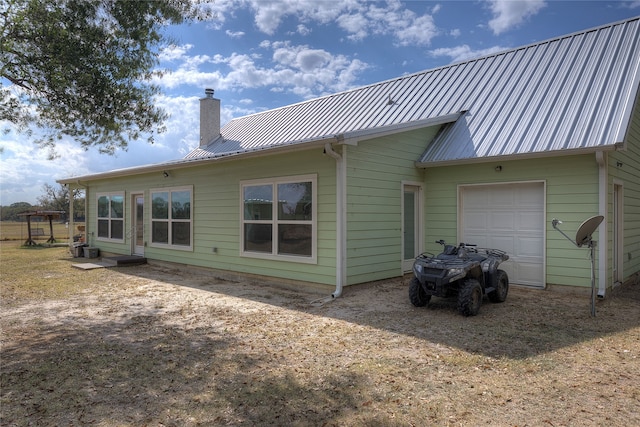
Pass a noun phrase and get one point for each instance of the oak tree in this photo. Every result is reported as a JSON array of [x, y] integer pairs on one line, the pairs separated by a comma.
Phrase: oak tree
[[84, 68]]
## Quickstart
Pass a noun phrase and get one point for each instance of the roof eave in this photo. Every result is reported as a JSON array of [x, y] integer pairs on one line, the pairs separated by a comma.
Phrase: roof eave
[[525, 156], [182, 163]]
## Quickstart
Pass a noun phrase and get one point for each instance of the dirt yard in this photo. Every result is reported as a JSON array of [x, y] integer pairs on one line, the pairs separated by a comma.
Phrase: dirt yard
[[157, 346]]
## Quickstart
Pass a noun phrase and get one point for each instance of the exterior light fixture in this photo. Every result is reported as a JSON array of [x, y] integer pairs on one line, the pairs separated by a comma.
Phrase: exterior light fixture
[[165, 174], [498, 168]]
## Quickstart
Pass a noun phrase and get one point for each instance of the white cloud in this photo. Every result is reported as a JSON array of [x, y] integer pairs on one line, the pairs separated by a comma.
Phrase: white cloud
[[189, 76], [508, 13], [270, 13], [420, 32], [26, 167], [355, 24], [464, 52], [359, 19], [303, 30], [174, 52], [183, 126], [302, 58], [234, 34], [296, 68]]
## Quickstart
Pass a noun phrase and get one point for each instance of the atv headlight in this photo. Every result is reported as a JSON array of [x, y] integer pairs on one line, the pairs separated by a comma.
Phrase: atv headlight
[[417, 268]]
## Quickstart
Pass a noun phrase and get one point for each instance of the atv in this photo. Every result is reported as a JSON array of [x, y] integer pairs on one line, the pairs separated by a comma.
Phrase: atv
[[465, 271]]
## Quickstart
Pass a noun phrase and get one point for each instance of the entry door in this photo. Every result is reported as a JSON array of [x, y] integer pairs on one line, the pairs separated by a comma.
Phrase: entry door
[[411, 224], [138, 224]]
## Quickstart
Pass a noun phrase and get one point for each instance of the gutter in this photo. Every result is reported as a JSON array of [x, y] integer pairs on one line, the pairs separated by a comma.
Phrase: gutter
[[183, 163], [341, 203], [520, 156]]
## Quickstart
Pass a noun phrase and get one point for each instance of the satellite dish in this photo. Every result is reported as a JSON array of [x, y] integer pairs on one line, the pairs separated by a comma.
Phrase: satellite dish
[[586, 229], [583, 237]]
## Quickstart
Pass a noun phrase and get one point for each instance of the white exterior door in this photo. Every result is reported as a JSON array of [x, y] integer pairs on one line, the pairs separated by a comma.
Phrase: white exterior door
[[509, 217], [137, 216], [411, 224]]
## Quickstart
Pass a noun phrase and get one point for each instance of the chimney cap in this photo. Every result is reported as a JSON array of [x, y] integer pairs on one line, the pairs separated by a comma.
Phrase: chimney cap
[[208, 92]]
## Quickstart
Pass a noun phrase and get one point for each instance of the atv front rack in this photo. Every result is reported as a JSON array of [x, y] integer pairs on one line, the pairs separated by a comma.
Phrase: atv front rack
[[461, 259]]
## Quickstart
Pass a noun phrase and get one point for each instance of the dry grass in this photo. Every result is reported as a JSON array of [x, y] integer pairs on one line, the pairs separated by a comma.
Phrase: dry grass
[[151, 345]]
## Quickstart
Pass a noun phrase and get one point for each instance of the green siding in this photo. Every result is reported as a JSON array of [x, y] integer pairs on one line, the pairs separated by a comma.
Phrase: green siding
[[571, 195], [375, 171], [216, 213], [629, 174]]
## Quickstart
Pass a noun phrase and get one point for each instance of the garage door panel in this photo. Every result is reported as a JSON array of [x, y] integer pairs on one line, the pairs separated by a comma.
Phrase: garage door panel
[[502, 220], [504, 243], [509, 217], [530, 247], [529, 222], [477, 200], [477, 220], [528, 273], [501, 197]]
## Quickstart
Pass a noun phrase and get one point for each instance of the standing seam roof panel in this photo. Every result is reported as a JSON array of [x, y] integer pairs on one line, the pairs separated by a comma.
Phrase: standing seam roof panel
[[565, 93], [612, 59]]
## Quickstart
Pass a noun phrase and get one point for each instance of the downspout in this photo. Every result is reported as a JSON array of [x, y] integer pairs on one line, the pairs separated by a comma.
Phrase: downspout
[[86, 229], [603, 234], [340, 217]]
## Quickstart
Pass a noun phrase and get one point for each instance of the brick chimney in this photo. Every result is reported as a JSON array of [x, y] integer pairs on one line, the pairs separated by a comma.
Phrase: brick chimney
[[209, 118]]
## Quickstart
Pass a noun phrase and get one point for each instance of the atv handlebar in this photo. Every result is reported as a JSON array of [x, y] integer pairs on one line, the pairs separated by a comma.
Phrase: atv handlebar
[[443, 243]]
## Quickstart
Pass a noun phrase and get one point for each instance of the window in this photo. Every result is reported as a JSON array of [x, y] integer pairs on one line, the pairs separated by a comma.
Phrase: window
[[279, 218], [111, 216], [171, 215]]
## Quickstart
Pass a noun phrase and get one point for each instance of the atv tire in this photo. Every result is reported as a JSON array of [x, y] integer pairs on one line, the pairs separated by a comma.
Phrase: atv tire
[[501, 287], [470, 298], [417, 295]]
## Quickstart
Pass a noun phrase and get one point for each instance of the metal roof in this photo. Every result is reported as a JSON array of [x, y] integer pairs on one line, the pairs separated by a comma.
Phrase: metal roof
[[569, 93], [573, 93]]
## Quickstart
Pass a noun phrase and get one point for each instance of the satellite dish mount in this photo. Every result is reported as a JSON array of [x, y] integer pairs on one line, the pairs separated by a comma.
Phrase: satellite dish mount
[[584, 238]]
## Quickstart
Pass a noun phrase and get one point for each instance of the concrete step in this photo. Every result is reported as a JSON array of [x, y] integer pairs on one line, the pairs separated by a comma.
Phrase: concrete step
[[123, 260]]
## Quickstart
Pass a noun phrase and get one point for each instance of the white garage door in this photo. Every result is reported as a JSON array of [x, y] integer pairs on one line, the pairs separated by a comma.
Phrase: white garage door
[[509, 217]]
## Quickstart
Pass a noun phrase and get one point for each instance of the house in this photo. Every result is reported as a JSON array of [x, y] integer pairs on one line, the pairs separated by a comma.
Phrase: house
[[349, 188]]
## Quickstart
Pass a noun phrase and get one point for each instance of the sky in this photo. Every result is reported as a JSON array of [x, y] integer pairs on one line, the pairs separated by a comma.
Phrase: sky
[[263, 54]]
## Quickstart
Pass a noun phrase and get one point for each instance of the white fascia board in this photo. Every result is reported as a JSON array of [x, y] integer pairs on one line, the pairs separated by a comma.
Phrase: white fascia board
[[353, 137], [504, 158], [185, 163]]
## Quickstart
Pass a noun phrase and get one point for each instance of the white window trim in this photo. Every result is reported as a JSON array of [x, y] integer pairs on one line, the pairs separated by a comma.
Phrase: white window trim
[[124, 210], [169, 220], [313, 259]]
